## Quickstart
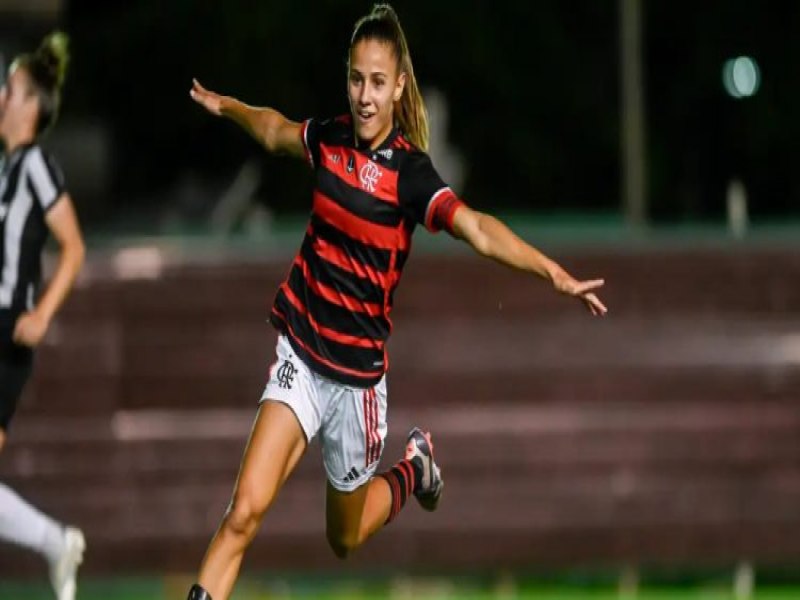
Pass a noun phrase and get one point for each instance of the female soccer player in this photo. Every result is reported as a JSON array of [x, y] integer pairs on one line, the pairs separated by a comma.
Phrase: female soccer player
[[33, 202], [374, 183]]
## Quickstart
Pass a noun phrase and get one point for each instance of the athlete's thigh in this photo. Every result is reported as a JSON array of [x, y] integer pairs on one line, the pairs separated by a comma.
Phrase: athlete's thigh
[[275, 446], [352, 435], [344, 510], [288, 418], [293, 384]]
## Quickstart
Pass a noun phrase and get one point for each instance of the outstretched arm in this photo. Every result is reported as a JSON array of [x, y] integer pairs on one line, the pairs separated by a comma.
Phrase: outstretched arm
[[492, 238], [270, 128]]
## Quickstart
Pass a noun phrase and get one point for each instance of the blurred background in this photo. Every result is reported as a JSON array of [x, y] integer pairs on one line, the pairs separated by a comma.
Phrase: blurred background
[[651, 142]]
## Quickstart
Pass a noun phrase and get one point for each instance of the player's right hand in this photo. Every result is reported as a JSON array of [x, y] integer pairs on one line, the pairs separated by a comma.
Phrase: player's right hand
[[209, 100], [584, 290]]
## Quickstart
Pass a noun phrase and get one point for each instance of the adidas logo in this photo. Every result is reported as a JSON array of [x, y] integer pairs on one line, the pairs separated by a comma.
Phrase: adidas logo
[[351, 476]]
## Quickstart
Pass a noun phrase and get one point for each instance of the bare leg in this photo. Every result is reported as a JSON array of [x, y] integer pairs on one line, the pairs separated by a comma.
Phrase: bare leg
[[353, 517], [275, 446]]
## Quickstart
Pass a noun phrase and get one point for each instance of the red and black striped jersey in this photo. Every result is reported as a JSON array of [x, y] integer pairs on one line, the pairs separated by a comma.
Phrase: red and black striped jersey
[[335, 304]]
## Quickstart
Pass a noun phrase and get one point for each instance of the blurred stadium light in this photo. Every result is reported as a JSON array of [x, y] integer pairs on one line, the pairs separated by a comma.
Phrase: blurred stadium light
[[741, 77]]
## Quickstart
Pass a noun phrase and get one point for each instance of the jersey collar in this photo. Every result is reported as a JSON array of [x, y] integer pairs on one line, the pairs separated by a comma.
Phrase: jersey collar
[[364, 147], [9, 160]]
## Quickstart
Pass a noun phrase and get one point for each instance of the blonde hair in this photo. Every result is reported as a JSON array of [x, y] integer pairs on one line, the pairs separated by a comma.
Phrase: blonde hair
[[383, 24], [47, 68]]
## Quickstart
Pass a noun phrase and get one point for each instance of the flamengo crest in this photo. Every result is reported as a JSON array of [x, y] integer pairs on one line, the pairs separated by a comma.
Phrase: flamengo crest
[[369, 176]]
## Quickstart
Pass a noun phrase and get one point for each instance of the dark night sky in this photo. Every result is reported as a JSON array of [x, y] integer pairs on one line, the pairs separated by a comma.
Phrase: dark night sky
[[533, 92]]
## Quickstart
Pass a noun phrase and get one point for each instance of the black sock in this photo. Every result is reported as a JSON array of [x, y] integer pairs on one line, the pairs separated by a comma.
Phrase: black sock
[[198, 593], [403, 479]]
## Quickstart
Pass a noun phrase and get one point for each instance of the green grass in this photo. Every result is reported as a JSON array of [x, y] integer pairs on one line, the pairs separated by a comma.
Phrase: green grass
[[395, 589]]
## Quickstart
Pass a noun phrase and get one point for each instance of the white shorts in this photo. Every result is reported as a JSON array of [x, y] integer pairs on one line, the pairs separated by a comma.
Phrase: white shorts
[[351, 421]]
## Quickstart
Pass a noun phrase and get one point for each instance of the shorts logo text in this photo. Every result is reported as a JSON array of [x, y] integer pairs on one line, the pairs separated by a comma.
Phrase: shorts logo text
[[285, 374]]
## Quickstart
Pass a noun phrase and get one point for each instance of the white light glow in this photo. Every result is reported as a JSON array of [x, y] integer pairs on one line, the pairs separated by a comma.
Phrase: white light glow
[[741, 77]]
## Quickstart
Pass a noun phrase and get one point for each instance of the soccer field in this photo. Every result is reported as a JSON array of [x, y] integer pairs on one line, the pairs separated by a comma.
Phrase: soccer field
[[398, 589]]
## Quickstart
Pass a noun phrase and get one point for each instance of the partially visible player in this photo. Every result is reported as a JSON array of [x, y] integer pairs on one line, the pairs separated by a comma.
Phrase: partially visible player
[[374, 184], [33, 204]]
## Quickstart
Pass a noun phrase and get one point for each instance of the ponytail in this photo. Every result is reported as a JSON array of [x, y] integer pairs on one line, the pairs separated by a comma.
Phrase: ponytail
[[383, 24], [47, 69]]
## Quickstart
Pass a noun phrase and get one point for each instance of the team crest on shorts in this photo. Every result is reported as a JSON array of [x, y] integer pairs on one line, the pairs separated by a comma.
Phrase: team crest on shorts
[[285, 374]]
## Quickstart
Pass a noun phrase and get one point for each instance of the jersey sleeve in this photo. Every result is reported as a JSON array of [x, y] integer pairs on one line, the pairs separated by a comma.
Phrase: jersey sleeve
[[310, 133], [423, 193], [46, 178]]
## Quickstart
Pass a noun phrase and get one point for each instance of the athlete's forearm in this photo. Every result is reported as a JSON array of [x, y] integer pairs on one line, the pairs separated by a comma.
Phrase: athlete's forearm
[[69, 263], [495, 240], [260, 122]]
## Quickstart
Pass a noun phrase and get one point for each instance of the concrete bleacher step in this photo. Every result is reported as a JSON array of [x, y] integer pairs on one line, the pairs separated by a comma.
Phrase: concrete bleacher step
[[749, 455], [413, 387], [693, 281], [226, 363], [485, 503]]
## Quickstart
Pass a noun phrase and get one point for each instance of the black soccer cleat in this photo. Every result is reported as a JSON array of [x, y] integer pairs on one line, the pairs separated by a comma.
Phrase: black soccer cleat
[[198, 593], [429, 489]]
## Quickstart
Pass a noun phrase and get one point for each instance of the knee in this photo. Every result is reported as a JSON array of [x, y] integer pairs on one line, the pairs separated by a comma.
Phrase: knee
[[343, 543], [243, 517]]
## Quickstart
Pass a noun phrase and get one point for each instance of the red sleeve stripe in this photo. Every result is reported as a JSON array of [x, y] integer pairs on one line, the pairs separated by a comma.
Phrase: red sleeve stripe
[[336, 297], [327, 332], [447, 218], [304, 137], [361, 230], [338, 257], [320, 359], [433, 204]]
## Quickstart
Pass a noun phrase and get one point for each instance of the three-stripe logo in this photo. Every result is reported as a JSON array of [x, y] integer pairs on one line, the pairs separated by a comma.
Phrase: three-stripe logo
[[352, 475]]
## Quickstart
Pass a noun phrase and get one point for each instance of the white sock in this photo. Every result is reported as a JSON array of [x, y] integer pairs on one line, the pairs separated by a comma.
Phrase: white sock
[[22, 524]]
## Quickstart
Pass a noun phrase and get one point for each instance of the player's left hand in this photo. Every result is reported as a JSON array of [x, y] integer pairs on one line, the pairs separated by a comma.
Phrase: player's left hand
[[209, 100], [30, 329], [584, 290]]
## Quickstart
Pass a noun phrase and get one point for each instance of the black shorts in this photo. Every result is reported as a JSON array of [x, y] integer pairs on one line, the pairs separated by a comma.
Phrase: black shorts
[[16, 363]]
